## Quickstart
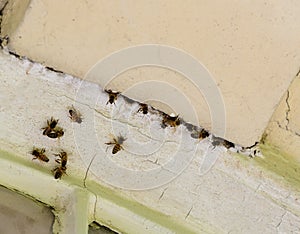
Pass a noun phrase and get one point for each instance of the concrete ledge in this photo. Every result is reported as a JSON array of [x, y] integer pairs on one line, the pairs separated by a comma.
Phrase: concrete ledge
[[196, 188]]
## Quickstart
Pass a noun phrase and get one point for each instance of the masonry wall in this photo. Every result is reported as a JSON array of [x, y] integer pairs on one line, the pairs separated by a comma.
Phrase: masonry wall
[[231, 68]]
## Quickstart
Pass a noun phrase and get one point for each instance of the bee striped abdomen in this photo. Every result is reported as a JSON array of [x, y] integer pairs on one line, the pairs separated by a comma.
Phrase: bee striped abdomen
[[117, 142], [43, 158], [39, 154], [59, 171], [116, 149]]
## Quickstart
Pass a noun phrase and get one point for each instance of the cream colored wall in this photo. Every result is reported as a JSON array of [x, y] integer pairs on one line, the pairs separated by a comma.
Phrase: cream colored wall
[[251, 50], [283, 131]]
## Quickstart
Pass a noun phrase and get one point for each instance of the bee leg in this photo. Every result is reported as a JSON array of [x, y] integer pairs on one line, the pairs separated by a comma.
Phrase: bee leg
[[54, 169], [108, 143]]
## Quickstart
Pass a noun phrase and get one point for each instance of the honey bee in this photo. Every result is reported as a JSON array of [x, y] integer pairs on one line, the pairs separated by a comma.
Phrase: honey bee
[[201, 134], [221, 141], [51, 124], [56, 133], [113, 96], [39, 154], [63, 158], [143, 108], [59, 171], [228, 144], [172, 121], [75, 115], [117, 144]]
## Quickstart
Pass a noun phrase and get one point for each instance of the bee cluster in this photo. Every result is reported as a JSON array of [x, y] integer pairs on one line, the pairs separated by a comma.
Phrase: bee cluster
[[175, 121], [40, 154], [52, 130]]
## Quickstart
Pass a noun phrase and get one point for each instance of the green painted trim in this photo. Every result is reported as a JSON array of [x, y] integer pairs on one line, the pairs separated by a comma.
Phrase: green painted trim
[[156, 217], [277, 163], [280, 164], [177, 226]]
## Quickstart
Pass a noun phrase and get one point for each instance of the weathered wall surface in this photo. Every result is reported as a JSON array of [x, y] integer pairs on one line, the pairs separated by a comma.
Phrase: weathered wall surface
[[251, 50], [283, 130], [164, 180]]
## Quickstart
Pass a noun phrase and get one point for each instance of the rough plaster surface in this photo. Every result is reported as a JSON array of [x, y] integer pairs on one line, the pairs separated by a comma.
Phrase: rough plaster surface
[[251, 50], [283, 130], [217, 191]]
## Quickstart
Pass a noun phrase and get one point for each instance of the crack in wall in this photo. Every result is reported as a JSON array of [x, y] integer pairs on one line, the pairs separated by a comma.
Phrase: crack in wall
[[87, 171], [288, 110], [162, 194], [281, 219], [189, 212], [298, 73], [95, 207], [1, 15], [287, 113]]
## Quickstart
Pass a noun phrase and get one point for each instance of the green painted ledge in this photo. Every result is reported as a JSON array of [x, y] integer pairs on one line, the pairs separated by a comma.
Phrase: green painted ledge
[[108, 194]]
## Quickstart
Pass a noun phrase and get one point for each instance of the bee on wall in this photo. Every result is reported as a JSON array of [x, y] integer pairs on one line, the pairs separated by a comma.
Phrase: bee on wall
[[63, 158], [112, 96], [59, 171], [75, 115], [200, 134], [172, 121], [220, 141], [56, 133], [143, 108], [51, 124], [228, 144], [117, 142], [39, 154]]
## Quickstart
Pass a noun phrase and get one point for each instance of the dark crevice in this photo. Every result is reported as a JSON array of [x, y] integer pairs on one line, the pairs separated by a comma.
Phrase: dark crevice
[[190, 127], [298, 73], [287, 118], [96, 228], [54, 70], [15, 55], [187, 215], [251, 146], [87, 171], [2, 9], [288, 110], [3, 39], [162, 194]]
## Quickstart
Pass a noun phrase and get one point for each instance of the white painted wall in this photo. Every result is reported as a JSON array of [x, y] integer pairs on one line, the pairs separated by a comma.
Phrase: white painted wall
[[164, 181]]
